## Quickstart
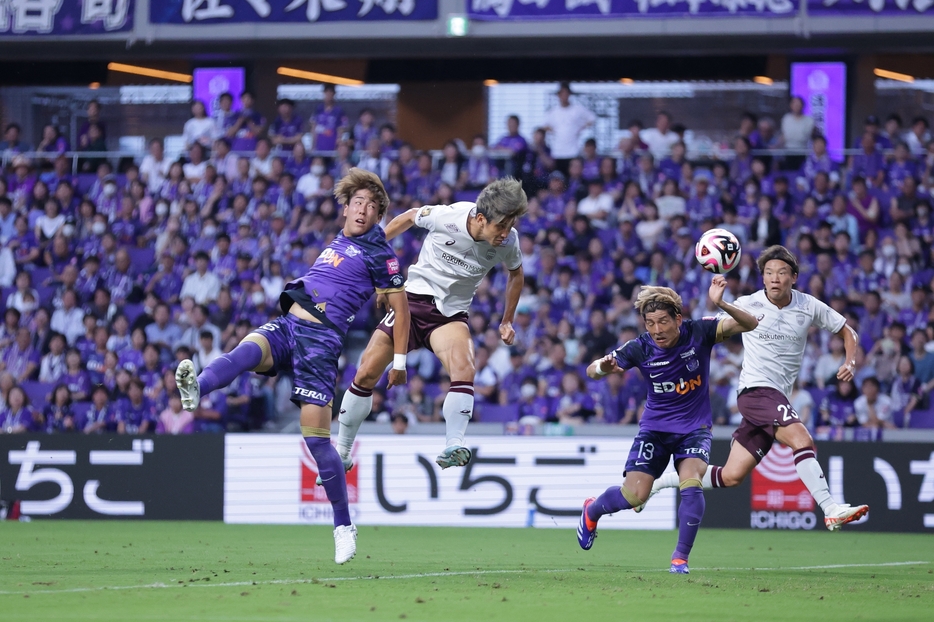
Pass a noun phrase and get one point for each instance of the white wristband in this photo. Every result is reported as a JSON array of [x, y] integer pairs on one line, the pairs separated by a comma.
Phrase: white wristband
[[398, 362], [599, 371]]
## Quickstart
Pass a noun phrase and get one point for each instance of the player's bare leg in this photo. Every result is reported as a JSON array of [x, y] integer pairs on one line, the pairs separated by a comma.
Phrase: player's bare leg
[[453, 346], [632, 494], [690, 512], [797, 437], [358, 399], [316, 430]]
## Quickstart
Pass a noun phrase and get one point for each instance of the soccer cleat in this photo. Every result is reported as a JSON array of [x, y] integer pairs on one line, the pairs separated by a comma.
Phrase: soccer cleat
[[345, 543], [843, 514], [586, 528], [679, 566], [453, 456], [187, 382], [348, 464]]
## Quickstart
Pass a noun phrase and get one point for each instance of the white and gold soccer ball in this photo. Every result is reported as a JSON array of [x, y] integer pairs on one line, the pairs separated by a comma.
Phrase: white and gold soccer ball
[[718, 251]]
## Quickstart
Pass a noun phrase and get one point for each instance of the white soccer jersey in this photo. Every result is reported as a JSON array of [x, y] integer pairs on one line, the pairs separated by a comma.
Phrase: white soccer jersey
[[451, 263], [774, 350]]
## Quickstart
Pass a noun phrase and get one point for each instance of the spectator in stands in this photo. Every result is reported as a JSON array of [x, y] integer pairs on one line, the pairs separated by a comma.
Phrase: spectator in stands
[[52, 141], [194, 169], [135, 414], [287, 130], [329, 122], [919, 137], [566, 122], [365, 128], [873, 409], [248, 125], [21, 359], [101, 416], [660, 139], [174, 420], [69, 320], [57, 416], [261, 163], [52, 365], [18, 416], [201, 285], [797, 129], [11, 143], [907, 392], [200, 129]]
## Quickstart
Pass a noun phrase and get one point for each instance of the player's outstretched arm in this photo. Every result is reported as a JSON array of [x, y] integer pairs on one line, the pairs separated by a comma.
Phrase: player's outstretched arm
[[401, 223], [740, 321], [850, 343], [514, 282], [603, 366], [400, 337]]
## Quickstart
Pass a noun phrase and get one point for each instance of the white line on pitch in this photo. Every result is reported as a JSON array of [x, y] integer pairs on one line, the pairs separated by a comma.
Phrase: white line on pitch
[[421, 575]]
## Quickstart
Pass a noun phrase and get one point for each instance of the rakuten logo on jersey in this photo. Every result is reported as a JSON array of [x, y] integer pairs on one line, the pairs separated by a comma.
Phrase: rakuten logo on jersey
[[682, 387]]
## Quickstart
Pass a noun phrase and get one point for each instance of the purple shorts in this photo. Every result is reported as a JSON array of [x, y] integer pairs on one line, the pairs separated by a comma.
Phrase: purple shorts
[[763, 408], [309, 351], [425, 318], [651, 451]]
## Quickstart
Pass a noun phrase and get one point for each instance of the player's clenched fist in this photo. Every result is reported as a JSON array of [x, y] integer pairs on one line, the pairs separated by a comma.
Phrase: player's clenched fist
[[396, 377], [717, 287], [507, 333]]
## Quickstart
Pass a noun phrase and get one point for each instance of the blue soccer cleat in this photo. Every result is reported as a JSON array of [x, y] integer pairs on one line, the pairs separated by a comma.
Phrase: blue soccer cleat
[[586, 529], [679, 566]]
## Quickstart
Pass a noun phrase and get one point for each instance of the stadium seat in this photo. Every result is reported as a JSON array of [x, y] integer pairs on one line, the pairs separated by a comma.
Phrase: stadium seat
[[85, 181], [80, 409], [922, 419], [132, 311], [136, 144], [142, 258], [38, 392], [39, 275], [494, 413], [46, 293]]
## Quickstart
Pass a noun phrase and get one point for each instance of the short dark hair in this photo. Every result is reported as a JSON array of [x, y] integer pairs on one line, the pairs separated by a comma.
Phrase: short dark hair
[[780, 253]]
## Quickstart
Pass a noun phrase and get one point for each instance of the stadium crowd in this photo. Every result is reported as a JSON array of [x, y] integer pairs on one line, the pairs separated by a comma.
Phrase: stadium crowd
[[111, 277]]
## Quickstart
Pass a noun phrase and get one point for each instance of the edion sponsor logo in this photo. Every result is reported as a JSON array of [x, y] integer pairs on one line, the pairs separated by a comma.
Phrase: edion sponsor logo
[[682, 387]]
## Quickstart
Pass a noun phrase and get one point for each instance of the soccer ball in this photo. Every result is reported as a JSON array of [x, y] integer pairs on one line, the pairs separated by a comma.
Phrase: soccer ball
[[718, 251]]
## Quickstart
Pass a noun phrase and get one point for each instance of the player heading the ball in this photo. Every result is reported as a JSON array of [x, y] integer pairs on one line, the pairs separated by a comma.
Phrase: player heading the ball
[[306, 341], [465, 241], [674, 357], [771, 362]]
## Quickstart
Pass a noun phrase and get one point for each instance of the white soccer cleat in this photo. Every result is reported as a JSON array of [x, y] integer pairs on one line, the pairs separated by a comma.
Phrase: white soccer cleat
[[187, 381], [843, 514], [345, 543], [348, 464]]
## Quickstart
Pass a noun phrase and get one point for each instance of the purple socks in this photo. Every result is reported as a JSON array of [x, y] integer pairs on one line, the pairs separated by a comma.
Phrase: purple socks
[[610, 502], [690, 514], [331, 470], [224, 369]]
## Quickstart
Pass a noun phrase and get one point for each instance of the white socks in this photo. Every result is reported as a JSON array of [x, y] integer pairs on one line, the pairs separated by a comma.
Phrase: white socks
[[355, 408], [457, 410], [812, 475]]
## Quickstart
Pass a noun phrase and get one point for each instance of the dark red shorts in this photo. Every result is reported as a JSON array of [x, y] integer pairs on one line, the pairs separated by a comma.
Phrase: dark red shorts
[[762, 408], [425, 318]]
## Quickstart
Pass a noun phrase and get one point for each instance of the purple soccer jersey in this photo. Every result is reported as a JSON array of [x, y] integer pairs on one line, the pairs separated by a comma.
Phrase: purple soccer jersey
[[346, 273], [677, 377]]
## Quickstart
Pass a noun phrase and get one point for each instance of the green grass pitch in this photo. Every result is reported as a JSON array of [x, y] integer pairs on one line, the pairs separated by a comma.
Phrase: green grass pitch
[[125, 571]]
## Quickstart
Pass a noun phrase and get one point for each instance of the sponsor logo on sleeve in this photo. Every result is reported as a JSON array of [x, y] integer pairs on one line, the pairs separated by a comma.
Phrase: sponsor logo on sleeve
[[425, 211], [451, 227], [392, 266], [396, 280]]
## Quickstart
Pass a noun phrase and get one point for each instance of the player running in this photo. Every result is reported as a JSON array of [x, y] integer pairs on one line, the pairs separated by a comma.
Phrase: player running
[[465, 241], [307, 339], [771, 362], [674, 357]]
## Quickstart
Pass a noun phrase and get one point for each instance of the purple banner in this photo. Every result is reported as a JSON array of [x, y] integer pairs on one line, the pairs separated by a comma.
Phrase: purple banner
[[820, 8], [577, 9], [288, 11], [822, 86], [211, 82], [29, 18]]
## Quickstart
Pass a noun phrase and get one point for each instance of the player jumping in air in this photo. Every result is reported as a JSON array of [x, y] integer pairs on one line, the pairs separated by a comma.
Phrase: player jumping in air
[[674, 357], [465, 241], [772, 360], [307, 339]]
